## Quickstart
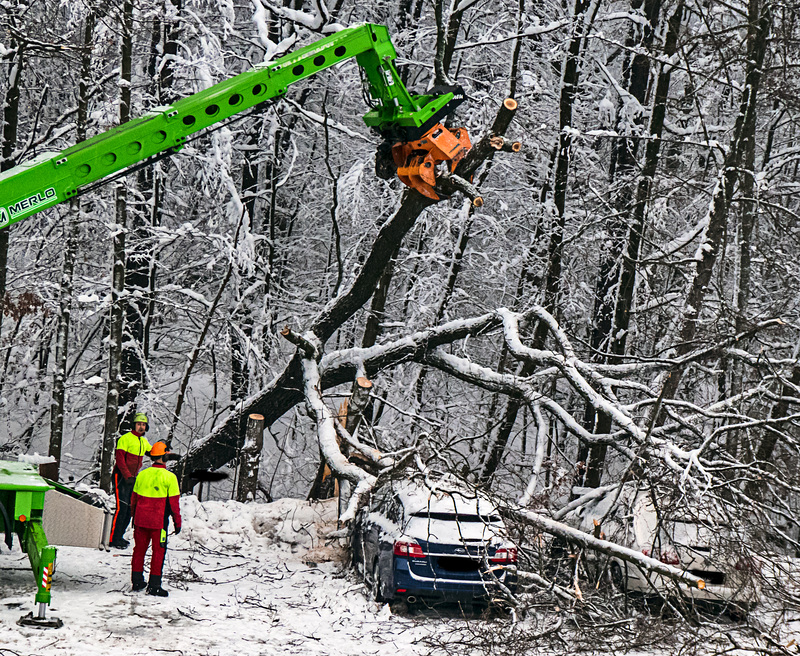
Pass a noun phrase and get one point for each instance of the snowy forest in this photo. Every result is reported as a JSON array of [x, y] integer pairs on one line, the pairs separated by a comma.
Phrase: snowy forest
[[607, 290]]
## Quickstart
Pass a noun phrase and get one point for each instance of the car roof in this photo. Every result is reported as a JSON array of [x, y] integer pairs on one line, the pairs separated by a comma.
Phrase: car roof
[[442, 495]]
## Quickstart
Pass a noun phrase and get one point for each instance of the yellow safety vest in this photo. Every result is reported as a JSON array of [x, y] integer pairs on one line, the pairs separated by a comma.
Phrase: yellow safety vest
[[156, 482], [132, 443]]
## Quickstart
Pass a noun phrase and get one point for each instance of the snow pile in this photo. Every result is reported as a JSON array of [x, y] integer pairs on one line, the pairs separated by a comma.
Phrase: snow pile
[[243, 578], [36, 459], [284, 523]]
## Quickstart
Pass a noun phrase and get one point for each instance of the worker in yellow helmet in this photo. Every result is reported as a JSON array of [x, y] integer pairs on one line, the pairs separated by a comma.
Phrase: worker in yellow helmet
[[128, 457], [156, 497]]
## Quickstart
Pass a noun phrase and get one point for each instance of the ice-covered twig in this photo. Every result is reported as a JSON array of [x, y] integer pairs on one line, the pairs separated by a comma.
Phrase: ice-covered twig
[[568, 364]]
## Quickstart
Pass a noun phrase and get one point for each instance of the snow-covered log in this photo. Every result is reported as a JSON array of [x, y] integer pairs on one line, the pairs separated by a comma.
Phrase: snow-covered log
[[558, 529], [326, 429]]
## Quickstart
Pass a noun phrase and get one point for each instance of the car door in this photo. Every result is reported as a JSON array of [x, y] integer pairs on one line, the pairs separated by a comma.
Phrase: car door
[[373, 527]]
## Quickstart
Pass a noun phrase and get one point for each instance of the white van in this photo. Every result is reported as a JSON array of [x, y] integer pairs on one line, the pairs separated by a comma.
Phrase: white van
[[697, 535]]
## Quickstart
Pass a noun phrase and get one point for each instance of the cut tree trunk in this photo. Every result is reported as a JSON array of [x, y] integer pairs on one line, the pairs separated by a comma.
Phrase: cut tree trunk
[[250, 459]]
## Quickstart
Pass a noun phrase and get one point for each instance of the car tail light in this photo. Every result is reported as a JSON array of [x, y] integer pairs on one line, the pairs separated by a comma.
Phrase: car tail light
[[668, 556], [505, 555], [408, 549]]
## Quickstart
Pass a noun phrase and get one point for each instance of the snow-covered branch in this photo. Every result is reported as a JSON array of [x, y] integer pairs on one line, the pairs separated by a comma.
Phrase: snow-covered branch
[[326, 432], [558, 529]]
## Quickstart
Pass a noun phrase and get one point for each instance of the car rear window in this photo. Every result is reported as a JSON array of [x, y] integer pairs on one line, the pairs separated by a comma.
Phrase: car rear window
[[452, 517]]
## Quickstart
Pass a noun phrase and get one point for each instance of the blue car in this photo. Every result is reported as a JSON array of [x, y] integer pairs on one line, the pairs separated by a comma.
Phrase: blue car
[[436, 541]]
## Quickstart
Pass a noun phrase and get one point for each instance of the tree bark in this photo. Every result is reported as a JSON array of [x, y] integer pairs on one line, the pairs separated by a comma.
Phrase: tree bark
[[250, 459], [117, 319], [354, 417], [635, 78], [759, 25], [70, 248], [16, 62], [569, 87]]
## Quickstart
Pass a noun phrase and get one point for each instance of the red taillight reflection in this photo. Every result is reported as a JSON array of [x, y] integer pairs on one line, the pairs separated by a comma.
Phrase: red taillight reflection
[[505, 556], [668, 556], [408, 549]]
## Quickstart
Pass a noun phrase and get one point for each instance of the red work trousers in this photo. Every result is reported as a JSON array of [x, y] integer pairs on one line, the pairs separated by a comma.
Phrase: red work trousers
[[142, 537]]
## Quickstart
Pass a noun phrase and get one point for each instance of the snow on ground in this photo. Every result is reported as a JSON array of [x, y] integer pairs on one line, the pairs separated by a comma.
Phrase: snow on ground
[[243, 579], [258, 580]]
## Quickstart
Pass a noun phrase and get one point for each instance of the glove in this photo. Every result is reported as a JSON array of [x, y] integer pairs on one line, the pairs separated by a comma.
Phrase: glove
[[177, 530]]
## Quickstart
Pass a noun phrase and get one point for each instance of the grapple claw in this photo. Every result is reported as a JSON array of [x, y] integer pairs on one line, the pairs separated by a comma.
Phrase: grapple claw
[[416, 160]]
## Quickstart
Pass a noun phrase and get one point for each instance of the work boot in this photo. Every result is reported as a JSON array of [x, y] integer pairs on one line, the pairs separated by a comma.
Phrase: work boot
[[154, 587], [137, 579]]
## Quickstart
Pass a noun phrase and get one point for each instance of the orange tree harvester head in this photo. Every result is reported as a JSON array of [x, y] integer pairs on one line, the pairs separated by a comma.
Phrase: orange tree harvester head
[[414, 138]]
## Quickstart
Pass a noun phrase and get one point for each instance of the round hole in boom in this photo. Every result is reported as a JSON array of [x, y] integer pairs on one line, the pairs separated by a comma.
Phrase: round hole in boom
[[83, 170], [235, 99], [133, 147], [339, 52], [160, 136], [212, 109], [258, 89], [298, 70], [319, 60], [188, 120], [109, 159]]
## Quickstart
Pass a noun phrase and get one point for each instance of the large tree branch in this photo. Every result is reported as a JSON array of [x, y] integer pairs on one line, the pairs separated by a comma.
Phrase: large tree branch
[[326, 433], [552, 527], [217, 448]]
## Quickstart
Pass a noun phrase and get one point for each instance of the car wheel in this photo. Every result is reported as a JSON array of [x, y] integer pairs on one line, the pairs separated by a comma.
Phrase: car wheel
[[618, 577], [378, 590], [401, 607]]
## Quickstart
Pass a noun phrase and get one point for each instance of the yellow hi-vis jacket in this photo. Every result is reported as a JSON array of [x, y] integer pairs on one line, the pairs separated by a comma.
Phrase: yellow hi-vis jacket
[[155, 497], [129, 453]]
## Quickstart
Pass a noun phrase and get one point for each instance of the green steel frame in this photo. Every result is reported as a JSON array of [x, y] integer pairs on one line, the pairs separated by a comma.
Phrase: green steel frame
[[52, 178], [22, 493]]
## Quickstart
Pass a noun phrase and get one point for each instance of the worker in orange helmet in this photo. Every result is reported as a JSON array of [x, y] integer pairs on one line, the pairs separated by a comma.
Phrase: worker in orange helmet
[[156, 496], [128, 456]]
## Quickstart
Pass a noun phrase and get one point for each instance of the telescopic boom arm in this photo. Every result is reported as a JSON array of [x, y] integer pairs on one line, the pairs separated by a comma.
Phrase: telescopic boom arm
[[409, 124]]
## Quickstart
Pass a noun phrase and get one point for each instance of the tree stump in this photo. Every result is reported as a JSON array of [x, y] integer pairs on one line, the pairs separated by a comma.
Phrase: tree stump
[[250, 459]]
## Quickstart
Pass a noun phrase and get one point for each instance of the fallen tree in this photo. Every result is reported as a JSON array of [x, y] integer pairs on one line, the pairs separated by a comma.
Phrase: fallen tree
[[558, 529], [286, 389]]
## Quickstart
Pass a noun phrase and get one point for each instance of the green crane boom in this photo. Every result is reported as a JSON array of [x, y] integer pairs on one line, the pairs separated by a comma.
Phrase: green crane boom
[[400, 117]]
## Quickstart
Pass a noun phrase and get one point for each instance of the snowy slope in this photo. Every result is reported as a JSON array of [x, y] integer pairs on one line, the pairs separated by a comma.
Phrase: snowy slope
[[243, 579]]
